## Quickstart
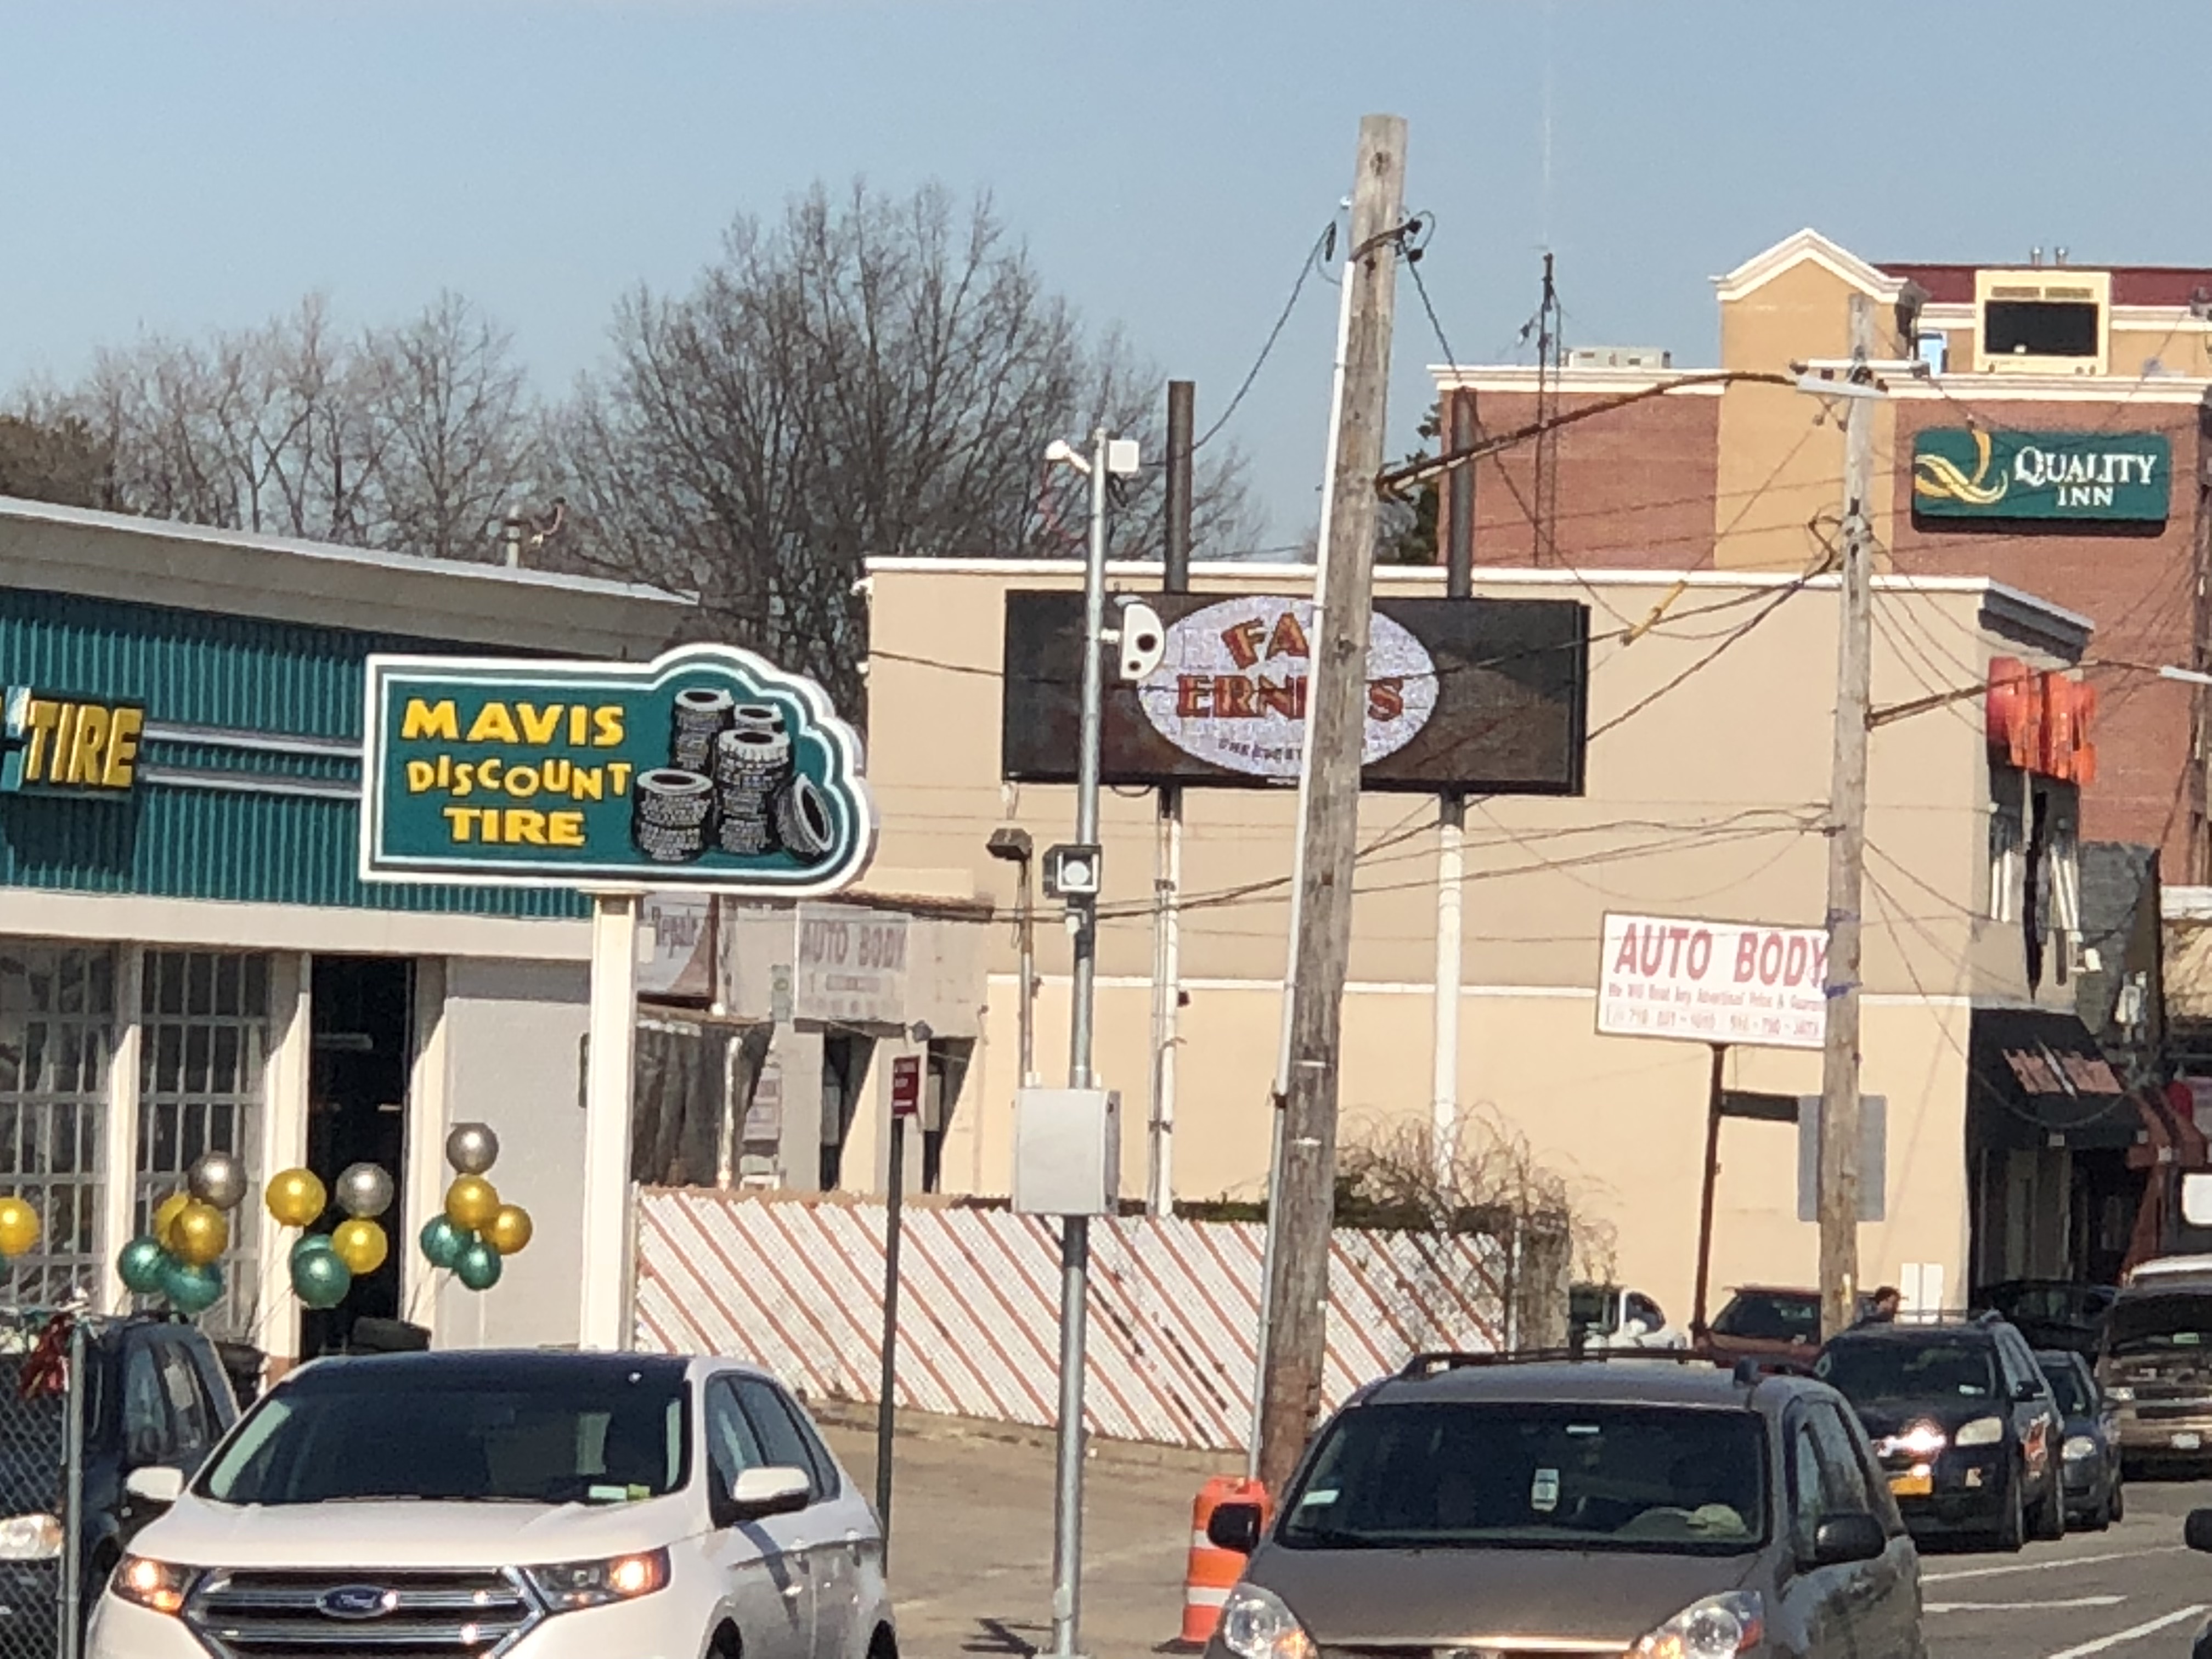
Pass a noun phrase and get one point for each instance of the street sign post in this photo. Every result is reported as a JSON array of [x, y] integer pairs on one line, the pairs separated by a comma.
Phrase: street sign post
[[906, 1108]]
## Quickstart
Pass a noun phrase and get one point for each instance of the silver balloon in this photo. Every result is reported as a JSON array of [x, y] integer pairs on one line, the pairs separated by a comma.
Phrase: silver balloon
[[219, 1179], [471, 1149], [364, 1190]]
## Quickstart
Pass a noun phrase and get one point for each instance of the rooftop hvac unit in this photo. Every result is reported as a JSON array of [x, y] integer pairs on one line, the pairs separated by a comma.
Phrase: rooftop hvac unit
[[1619, 358]]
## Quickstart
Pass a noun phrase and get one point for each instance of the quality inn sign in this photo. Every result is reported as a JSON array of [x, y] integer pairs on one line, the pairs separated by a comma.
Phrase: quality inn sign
[[2109, 477]]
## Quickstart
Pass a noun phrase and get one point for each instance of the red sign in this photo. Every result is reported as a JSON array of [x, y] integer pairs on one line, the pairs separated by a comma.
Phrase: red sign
[[2042, 722], [906, 1086]]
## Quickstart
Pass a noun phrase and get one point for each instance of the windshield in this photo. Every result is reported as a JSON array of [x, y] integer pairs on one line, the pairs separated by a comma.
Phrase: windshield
[[1457, 1475], [2078, 1304], [1767, 1316], [2153, 1323], [1590, 1308], [561, 1439], [1887, 1368], [2069, 1388]]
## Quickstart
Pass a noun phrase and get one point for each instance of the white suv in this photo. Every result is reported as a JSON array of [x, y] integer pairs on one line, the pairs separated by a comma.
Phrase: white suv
[[526, 1505]]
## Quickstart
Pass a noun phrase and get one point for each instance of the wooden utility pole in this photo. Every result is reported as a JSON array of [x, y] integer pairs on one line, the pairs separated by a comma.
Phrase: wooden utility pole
[[1336, 707], [1847, 812]]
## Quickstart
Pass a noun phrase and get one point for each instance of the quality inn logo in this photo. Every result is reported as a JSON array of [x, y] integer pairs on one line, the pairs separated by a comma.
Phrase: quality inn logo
[[1976, 472], [1939, 478]]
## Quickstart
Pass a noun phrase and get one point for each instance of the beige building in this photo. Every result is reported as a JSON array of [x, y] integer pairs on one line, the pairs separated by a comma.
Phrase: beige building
[[1707, 774]]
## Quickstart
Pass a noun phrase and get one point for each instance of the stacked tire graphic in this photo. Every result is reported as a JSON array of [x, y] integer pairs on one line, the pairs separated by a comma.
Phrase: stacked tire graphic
[[732, 784], [752, 772], [669, 814], [702, 713]]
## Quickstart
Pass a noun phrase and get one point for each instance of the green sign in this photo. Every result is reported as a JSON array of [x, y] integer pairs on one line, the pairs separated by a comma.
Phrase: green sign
[[706, 768], [2110, 477]]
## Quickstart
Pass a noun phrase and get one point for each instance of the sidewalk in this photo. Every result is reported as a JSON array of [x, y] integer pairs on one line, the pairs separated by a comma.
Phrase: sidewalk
[[972, 1534]]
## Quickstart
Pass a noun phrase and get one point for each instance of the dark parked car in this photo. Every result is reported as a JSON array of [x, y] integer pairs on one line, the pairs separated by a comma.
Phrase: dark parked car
[[1766, 1321], [2089, 1462], [1648, 1504], [2052, 1313], [1963, 1422], [159, 1395]]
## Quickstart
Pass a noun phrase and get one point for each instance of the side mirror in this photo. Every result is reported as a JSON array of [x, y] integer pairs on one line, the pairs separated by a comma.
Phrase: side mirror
[[758, 1494], [2196, 1531], [1842, 1539], [1234, 1527], [156, 1484]]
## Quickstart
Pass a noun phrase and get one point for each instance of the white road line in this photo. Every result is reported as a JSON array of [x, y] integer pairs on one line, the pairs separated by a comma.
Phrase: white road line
[[2052, 1566], [2024, 1606], [2150, 1627]]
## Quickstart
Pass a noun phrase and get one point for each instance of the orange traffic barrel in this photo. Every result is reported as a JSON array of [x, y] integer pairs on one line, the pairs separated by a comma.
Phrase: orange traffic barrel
[[1213, 1572]]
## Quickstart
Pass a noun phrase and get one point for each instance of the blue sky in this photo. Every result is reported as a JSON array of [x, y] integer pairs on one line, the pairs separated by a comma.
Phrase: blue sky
[[180, 167]]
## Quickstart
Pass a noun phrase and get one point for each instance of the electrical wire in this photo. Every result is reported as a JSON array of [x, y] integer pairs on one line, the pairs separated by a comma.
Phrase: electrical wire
[[1324, 247]]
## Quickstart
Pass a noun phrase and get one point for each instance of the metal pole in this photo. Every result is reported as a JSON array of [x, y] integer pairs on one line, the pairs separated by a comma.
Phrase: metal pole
[[1029, 977], [1712, 1175], [71, 1563], [1167, 865], [1451, 819], [895, 1206], [1075, 1230]]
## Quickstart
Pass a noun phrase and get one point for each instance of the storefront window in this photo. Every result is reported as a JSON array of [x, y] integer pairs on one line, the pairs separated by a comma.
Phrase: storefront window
[[204, 1050], [56, 1034]]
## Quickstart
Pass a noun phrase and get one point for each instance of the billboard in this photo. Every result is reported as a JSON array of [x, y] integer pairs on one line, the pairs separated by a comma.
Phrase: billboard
[[1485, 695], [1733, 982], [706, 768], [2097, 478]]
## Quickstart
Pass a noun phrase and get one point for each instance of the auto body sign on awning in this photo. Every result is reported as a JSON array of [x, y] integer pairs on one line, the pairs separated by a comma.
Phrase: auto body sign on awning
[[1735, 982]]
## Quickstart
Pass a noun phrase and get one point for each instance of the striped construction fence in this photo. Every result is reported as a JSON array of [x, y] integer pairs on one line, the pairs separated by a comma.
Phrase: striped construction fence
[[794, 1283]]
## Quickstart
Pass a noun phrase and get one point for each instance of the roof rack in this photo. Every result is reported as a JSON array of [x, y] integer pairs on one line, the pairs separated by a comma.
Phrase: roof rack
[[1436, 1362]]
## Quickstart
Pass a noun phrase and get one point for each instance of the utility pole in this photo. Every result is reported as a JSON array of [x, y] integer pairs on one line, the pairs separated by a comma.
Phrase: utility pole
[[1451, 813], [1303, 1214], [1167, 870]]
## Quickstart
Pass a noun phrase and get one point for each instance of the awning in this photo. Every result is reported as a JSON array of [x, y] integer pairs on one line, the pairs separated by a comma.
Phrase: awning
[[2036, 1075]]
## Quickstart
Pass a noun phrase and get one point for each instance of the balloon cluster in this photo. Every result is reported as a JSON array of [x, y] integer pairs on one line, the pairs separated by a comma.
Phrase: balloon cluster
[[176, 1260], [477, 1232], [324, 1265]]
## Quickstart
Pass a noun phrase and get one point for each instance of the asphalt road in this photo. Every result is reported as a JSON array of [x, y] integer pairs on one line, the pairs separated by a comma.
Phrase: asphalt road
[[2132, 1591]]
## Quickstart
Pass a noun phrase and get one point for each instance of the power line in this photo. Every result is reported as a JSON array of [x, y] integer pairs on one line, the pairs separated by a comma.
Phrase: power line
[[1324, 246]]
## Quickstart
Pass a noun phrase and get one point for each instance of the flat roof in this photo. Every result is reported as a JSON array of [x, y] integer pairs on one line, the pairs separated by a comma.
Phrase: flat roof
[[118, 556]]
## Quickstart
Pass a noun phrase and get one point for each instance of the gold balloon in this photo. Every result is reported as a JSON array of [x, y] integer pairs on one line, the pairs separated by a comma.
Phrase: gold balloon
[[296, 1197], [471, 1202], [19, 1227], [361, 1244], [166, 1213], [510, 1231], [200, 1234]]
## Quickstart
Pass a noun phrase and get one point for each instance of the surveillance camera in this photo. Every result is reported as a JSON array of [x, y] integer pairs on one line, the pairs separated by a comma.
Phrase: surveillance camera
[[1144, 640]]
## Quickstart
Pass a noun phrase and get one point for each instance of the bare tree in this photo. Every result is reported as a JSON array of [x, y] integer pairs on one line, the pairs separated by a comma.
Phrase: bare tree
[[868, 375], [54, 459]]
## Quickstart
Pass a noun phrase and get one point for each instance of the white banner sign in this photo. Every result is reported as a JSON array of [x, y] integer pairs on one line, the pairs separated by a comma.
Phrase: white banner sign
[[852, 964], [1733, 982]]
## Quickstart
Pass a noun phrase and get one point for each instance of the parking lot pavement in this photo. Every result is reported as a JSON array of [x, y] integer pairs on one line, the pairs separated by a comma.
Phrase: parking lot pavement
[[2133, 1591], [971, 1540]]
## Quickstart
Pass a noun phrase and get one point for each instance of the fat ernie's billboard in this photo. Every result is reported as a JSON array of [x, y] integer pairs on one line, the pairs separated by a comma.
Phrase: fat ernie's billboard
[[1486, 695]]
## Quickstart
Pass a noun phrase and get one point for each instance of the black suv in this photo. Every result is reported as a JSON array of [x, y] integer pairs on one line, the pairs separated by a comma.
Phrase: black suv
[[1645, 1502], [1964, 1422]]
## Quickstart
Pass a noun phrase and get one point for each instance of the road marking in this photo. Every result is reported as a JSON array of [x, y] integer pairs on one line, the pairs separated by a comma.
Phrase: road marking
[[2150, 1627], [2047, 1567], [2024, 1606]]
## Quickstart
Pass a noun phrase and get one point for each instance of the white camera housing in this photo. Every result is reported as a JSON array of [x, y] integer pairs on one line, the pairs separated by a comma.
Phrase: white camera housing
[[1143, 638], [1061, 453], [1123, 458]]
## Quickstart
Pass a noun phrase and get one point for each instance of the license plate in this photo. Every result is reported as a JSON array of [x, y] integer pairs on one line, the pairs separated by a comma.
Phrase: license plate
[[1911, 1485], [2187, 1441]]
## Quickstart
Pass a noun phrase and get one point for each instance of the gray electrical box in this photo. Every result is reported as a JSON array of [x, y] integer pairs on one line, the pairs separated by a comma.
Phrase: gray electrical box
[[1067, 1151]]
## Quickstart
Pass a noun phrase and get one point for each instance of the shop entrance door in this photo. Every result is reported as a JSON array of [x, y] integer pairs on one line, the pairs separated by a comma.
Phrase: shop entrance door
[[357, 1114]]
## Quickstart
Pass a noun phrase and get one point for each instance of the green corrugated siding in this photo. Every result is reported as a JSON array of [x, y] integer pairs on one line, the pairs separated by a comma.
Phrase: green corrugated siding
[[190, 668]]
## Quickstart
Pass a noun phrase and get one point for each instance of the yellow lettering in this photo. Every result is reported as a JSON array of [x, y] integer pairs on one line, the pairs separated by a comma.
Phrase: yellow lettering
[[607, 727], [84, 750], [445, 771], [421, 777], [565, 828], [493, 724], [554, 775], [119, 767], [465, 780], [524, 825], [578, 725], [462, 820], [40, 721], [538, 724], [520, 781], [488, 772], [63, 755], [618, 774], [587, 782], [430, 719]]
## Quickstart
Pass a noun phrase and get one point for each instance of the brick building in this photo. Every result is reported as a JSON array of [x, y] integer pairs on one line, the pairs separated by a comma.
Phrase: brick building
[[2057, 443]]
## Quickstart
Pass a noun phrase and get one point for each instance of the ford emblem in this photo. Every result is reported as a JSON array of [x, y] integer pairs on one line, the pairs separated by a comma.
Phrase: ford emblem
[[356, 1601]]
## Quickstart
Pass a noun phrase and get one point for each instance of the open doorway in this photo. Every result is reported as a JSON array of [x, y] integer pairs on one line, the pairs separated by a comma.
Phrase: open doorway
[[357, 1114]]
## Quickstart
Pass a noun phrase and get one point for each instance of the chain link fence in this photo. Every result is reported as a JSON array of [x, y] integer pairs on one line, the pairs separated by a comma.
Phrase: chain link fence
[[43, 1384]]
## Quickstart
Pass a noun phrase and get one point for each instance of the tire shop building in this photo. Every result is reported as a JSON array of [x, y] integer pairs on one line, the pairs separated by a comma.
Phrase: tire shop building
[[1700, 796], [188, 955]]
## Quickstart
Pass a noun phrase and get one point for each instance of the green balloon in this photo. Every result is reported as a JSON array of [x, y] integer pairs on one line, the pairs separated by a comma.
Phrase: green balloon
[[311, 1244], [477, 1265], [320, 1279], [143, 1265], [192, 1288], [443, 1243]]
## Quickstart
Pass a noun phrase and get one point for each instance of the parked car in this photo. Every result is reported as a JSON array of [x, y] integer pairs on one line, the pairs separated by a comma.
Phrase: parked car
[[1649, 1504], [2089, 1461], [537, 1505], [1601, 1317], [156, 1397], [1764, 1321], [2052, 1313], [1964, 1424], [2155, 1367]]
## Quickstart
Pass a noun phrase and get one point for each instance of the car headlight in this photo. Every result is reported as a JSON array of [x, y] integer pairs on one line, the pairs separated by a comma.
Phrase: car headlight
[[1718, 1627], [30, 1538], [577, 1584], [1919, 1441], [2122, 1393], [2077, 1447], [145, 1583], [1256, 1625], [1982, 1432]]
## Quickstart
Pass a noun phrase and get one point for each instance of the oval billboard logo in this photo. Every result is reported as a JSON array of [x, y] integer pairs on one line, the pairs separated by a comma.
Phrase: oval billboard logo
[[1230, 688]]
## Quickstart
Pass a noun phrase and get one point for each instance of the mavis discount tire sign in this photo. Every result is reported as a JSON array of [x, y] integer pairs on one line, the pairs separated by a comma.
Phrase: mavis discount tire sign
[[1733, 982]]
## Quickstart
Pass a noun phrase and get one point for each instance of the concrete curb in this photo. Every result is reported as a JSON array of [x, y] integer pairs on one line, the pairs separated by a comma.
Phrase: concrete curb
[[858, 1416]]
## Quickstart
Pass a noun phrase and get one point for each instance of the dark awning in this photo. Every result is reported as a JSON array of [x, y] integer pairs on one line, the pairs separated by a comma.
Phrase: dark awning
[[2037, 1073]]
